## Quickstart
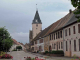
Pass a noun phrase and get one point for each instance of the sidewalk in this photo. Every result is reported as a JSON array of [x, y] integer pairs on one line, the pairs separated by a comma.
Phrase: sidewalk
[[51, 57]]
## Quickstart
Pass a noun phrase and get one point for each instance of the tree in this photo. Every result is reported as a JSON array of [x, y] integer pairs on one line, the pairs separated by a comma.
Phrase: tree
[[18, 47], [5, 39], [76, 4], [8, 43]]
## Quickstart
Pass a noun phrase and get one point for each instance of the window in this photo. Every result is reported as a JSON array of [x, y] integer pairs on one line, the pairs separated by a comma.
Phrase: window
[[41, 41], [73, 29], [78, 28], [54, 36], [58, 34], [74, 45], [66, 32], [66, 46], [35, 42], [50, 37], [61, 45], [36, 25], [54, 45], [79, 44], [69, 32], [61, 34], [36, 28]]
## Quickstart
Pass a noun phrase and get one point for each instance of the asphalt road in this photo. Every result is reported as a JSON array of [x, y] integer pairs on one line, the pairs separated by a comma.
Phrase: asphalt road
[[19, 55]]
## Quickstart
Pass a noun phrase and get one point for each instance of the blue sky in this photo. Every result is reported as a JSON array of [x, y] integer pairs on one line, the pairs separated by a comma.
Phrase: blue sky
[[17, 15]]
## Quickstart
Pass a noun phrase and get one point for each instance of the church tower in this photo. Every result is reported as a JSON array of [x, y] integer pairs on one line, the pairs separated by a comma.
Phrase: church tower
[[36, 25]]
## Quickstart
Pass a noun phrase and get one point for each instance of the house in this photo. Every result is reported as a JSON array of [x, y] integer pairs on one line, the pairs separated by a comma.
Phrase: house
[[22, 45], [27, 46], [15, 43], [72, 37], [63, 34]]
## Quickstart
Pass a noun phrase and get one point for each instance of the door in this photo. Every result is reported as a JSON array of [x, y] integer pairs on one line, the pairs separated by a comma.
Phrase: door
[[50, 48]]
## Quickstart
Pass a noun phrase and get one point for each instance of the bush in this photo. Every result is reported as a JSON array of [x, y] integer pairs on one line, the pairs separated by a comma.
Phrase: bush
[[18, 47], [58, 52], [46, 52], [15, 50], [2, 53], [6, 56]]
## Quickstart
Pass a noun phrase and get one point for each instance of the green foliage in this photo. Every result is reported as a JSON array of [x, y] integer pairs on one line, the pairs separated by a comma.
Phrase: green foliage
[[18, 47], [46, 52], [5, 39], [14, 50], [2, 53], [57, 52]]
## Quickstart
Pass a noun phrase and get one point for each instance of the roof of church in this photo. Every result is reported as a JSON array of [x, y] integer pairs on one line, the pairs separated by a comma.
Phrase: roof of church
[[37, 18], [30, 34]]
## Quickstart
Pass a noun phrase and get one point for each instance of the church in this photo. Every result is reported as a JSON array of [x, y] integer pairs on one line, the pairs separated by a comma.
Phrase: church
[[64, 34], [36, 27]]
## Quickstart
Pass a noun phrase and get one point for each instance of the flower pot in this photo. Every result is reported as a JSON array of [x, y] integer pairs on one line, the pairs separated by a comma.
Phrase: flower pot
[[6, 59]]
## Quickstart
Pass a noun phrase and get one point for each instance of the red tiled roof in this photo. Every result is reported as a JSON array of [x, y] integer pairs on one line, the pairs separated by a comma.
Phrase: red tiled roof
[[14, 41]]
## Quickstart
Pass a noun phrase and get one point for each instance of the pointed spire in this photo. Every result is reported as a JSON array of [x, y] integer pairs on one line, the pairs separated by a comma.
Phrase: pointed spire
[[36, 8], [36, 18]]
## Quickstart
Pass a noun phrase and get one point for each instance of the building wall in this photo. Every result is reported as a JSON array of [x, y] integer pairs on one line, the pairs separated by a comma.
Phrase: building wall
[[14, 47], [41, 44], [36, 28], [69, 48], [53, 41], [38, 45], [46, 43], [32, 46]]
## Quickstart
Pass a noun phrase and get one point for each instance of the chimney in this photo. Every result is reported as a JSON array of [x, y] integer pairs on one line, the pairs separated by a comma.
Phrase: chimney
[[70, 11]]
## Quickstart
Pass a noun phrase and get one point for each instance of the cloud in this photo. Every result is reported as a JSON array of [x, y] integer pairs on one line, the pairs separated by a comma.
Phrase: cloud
[[21, 37], [17, 15]]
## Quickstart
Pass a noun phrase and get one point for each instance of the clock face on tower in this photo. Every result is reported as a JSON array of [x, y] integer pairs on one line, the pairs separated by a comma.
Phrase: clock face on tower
[[36, 20]]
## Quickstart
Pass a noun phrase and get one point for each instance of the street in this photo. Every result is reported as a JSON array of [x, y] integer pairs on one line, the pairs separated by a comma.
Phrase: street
[[19, 55]]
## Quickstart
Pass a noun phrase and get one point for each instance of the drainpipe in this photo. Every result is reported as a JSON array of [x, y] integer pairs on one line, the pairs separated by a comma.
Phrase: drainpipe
[[63, 42]]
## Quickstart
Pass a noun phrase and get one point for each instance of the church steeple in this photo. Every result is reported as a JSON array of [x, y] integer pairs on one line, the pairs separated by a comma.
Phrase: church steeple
[[36, 18], [36, 24]]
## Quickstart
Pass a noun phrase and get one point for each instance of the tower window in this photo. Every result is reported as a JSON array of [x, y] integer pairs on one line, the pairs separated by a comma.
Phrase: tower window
[[36, 25]]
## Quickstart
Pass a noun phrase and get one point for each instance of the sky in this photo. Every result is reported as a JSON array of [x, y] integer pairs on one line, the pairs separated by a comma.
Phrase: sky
[[17, 15]]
